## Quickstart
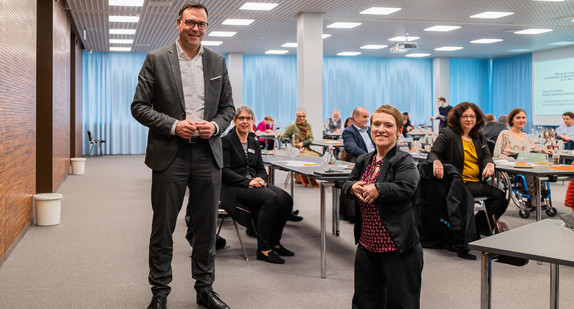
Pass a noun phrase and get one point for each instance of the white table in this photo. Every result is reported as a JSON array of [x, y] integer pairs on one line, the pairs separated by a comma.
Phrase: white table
[[529, 241]]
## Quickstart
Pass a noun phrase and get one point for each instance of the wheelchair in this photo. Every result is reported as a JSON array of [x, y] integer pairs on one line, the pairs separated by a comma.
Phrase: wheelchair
[[516, 190]]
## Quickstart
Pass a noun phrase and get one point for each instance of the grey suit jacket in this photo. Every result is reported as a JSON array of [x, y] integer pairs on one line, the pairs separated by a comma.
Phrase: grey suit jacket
[[158, 102]]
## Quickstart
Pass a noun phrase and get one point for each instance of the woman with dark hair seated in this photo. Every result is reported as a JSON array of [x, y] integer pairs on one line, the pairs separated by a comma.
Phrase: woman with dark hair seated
[[244, 181], [462, 144]]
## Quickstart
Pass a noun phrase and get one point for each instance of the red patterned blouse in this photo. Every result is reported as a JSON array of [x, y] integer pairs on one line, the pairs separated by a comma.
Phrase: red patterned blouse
[[374, 234]]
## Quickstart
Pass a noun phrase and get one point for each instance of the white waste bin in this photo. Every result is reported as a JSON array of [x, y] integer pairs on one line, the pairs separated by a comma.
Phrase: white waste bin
[[48, 208], [78, 166]]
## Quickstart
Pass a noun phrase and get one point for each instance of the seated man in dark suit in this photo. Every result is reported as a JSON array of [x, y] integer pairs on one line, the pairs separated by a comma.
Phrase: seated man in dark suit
[[357, 141], [357, 137], [492, 128]]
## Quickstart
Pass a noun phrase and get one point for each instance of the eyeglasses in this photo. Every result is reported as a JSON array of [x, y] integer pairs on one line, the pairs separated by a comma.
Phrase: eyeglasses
[[244, 118], [468, 116], [201, 25]]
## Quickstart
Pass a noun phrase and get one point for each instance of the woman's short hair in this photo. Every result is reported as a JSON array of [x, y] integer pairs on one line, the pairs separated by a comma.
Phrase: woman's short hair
[[301, 110], [513, 114], [455, 115], [391, 110], [242, 108], [268, 118]]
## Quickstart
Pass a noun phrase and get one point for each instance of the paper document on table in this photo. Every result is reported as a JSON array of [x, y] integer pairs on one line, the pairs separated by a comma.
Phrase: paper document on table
[[299, 163]]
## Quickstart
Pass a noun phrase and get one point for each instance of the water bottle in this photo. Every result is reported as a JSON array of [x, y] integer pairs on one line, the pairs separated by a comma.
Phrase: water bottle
[[276, 144], [325, 161], [555, 156], [332, 158]]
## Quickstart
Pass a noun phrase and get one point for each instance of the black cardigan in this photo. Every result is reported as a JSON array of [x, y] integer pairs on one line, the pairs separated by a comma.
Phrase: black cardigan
[[397, 183], [236, 166], [447, 148]]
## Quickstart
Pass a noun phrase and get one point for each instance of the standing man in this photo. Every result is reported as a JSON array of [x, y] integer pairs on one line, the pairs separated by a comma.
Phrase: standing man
[[357, 137], [443, 110], [184, 97], [566, 131]]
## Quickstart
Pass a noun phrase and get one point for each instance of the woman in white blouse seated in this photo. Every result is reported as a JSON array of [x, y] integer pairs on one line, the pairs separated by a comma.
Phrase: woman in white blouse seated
[[514, 141]]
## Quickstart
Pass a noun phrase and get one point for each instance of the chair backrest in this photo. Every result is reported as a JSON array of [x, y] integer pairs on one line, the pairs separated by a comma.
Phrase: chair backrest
[[491, 144], [531, 157], [90, 136]]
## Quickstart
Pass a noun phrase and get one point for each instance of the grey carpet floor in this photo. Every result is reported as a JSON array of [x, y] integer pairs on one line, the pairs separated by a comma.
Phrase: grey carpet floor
[[97, 257]]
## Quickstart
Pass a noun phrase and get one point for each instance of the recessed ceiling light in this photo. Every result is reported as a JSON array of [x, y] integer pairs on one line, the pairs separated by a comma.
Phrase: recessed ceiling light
[[373, 46], [289, 45], [121, 41], [380, 11], [237, 22], [403, 38], [122, 49], [562, 43], [486, 41], [348, 53], [449, 48], [417, 55], [519, 50], [122, 31], [211, 43], [276, 51], [124, 19], [222, 33], [326, 35], [343, 25], [533, 31], [442, 28], [126, 2], [254, 6], [491, 15]]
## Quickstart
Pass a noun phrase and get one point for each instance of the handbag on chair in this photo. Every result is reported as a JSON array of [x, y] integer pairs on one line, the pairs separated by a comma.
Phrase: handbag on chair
[[499, 226]]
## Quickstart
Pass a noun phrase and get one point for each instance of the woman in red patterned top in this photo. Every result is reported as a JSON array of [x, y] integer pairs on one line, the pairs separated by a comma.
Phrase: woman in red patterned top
[[389, 258]]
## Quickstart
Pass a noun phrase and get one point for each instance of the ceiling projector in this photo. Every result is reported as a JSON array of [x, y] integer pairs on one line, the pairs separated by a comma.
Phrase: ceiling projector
[[403, 47]]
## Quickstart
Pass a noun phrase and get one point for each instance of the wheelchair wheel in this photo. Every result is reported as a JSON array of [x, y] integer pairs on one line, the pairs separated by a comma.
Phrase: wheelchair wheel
[[523, 213], [551, 211]]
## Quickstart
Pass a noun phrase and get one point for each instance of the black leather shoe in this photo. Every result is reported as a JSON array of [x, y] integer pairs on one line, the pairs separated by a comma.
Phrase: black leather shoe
[[210, 300], [219, 242], [282, 251], [158, 302], [271, 257], [294, 216]]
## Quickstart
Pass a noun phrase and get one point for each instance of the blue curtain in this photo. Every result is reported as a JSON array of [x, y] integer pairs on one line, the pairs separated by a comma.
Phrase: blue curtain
[[512, 86], [270, 87], [470, 82], [109, 83], [370, 82]]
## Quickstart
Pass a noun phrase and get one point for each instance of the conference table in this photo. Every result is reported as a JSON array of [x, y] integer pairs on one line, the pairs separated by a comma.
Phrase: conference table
[[310, 166], [554, 243], [326, 143], [541, 174]]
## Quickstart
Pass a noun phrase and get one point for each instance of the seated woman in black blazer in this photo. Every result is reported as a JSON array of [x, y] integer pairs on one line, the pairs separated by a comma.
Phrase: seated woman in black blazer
[[389, 257], [462, 144], [244, 180]]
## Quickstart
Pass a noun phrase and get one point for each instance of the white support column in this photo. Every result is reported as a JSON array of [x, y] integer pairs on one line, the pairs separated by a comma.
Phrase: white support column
[[310, 69], [440, 84], [235, 69]]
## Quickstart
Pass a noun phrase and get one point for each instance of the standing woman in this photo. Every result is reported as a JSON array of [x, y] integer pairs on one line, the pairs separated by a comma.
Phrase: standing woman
[[245, 181], [389, 257], [462, 144]]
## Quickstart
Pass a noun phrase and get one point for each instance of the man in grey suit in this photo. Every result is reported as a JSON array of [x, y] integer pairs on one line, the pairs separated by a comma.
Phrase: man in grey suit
[[184, 97]]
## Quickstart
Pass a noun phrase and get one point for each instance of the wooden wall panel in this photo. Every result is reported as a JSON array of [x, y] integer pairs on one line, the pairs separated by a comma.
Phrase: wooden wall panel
[[53, 95], [61, 94], [77, 131], [17, 118]]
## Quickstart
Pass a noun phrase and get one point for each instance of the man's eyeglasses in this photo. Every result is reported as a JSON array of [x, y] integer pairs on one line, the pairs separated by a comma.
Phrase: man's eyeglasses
[[244, 118], [189, 23], [468, 116]]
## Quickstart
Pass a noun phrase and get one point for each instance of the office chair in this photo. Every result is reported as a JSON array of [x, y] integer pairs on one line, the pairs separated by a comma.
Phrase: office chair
[[95, 143]]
